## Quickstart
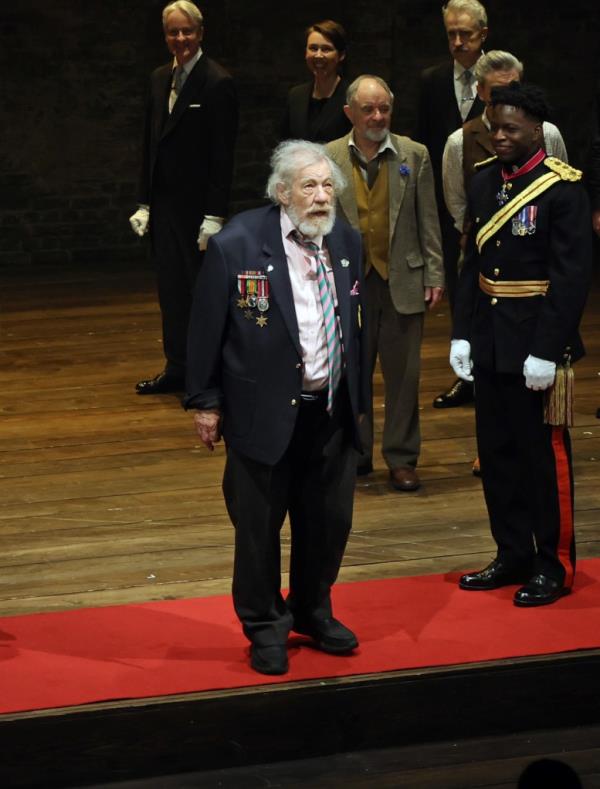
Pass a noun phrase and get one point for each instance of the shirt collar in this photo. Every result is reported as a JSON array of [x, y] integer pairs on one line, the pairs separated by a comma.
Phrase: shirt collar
[[459, 70], [187, 67], [385, 145], [287, 227]]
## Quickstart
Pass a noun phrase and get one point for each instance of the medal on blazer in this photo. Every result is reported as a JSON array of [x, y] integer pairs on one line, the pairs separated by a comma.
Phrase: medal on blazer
[[524, 223], [253, 287]]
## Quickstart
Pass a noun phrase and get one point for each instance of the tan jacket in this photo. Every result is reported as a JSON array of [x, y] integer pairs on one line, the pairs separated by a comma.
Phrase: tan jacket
[[415, 246]]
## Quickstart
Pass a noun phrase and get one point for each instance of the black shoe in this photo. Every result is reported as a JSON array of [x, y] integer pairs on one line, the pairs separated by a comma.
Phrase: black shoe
[[329, 635], [162, 383], [540, 590], [363, 469], [460, 392], [598, 414], [495, 575], [270, 659]]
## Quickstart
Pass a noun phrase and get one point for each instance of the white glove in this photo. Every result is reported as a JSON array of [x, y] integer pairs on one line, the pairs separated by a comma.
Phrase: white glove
[[539, 373], [139, 220], [209, 227], [460, 359]]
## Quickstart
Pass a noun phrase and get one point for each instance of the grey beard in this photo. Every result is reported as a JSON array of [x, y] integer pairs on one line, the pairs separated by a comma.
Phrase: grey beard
[[312, 227], [376, 135]]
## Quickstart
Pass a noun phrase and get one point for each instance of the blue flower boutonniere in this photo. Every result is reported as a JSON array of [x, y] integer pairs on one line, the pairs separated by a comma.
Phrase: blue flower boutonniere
[[404, 169]]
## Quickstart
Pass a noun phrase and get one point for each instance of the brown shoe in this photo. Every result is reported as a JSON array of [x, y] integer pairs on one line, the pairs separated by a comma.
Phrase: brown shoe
[[476, 467], [404, 478]]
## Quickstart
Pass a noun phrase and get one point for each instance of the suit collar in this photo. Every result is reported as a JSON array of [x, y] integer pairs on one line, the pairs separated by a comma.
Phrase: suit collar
[[194, 82], [274, 262]]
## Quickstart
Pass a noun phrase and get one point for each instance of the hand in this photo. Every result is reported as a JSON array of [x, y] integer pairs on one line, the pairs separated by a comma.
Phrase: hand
[[209, 227], [208, 427], [433, 296], [596, 221], [460, 359], [539, 373], [139, 221]]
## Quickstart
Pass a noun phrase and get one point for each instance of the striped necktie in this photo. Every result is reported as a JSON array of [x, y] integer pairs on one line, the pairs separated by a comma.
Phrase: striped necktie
[[467, 98], [332, 331]]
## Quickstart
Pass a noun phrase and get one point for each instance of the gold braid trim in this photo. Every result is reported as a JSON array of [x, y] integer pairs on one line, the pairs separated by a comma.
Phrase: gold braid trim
[[501, 217], [514, 288]]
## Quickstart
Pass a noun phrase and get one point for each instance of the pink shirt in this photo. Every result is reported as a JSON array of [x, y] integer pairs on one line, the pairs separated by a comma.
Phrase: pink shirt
[[307, 302]]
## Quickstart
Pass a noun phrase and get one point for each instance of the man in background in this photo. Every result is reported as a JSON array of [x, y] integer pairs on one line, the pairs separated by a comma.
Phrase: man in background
[[448, 98], [189, 139], [471, 144], [389, 197]]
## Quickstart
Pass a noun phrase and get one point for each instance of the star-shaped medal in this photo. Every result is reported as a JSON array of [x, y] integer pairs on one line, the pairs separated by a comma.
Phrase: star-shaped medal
[[242, 303], [248, 315], [261, 321]]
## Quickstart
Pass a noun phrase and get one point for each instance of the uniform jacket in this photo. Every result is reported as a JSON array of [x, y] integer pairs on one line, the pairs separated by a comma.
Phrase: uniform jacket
[[415, 259], [188, 155], [332, 121], [254, 373], [504, 333]]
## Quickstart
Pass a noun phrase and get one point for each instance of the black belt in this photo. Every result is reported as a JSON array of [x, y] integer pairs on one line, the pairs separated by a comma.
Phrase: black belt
[[320, 396]]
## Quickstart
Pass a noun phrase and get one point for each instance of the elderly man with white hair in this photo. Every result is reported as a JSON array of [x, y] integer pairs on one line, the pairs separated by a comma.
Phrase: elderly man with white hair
[[275, 366]]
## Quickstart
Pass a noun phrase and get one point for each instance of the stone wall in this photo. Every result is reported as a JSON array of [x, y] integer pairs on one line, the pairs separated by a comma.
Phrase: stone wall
[[74, 76]]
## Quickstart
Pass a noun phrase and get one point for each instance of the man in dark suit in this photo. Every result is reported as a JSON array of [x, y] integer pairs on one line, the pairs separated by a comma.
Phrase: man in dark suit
[[190, 131], [520, 298], [276, 366], [448, 98]]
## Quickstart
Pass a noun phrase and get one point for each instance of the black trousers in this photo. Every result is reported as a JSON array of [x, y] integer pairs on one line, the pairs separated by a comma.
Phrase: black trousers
[[313, 483], [450, 252], [177, 261], [527, 476]]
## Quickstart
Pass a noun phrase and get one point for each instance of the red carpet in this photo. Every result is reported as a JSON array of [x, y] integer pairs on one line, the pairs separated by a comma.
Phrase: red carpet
[[181, 646]]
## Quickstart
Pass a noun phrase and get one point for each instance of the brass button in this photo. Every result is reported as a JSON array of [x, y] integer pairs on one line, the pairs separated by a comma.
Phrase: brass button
[[294, 401], [498, 242], [496, 272], [477, 220], [494, 301]]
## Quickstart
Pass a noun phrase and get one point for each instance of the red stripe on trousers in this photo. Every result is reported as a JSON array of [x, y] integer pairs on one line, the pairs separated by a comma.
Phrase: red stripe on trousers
[[565, 508]]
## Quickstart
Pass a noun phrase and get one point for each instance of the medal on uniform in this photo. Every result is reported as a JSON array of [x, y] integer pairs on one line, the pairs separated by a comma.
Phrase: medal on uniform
[[524, 223], [503, 197]]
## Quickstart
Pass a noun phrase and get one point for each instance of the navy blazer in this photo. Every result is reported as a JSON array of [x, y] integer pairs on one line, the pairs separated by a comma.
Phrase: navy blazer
[[189, 154], [253, 373]]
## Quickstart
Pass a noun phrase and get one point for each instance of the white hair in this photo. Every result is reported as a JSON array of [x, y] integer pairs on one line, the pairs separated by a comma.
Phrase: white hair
[[496, 60], [471, 7], [293, 155], [189, 9]]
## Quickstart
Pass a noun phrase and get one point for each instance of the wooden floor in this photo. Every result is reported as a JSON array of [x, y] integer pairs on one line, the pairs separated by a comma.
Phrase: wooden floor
[[106, 497]]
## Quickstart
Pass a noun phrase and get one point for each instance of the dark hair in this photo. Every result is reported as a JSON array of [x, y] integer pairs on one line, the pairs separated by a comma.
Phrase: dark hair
[[525, 96], [332, 31]]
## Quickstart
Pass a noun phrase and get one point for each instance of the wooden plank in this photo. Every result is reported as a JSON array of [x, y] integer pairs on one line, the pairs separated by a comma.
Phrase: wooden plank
[[99, 487]]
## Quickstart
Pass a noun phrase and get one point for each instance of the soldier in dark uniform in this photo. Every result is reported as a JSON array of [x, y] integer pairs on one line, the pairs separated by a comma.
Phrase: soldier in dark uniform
[[519, 302]]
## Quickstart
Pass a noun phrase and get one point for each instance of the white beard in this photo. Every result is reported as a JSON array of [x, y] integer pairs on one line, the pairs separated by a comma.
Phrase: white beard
[[376, 135], [312, 226]]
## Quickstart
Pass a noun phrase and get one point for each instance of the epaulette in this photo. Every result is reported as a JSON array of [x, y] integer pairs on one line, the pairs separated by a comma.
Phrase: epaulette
[[566, 172], [477, 165]]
